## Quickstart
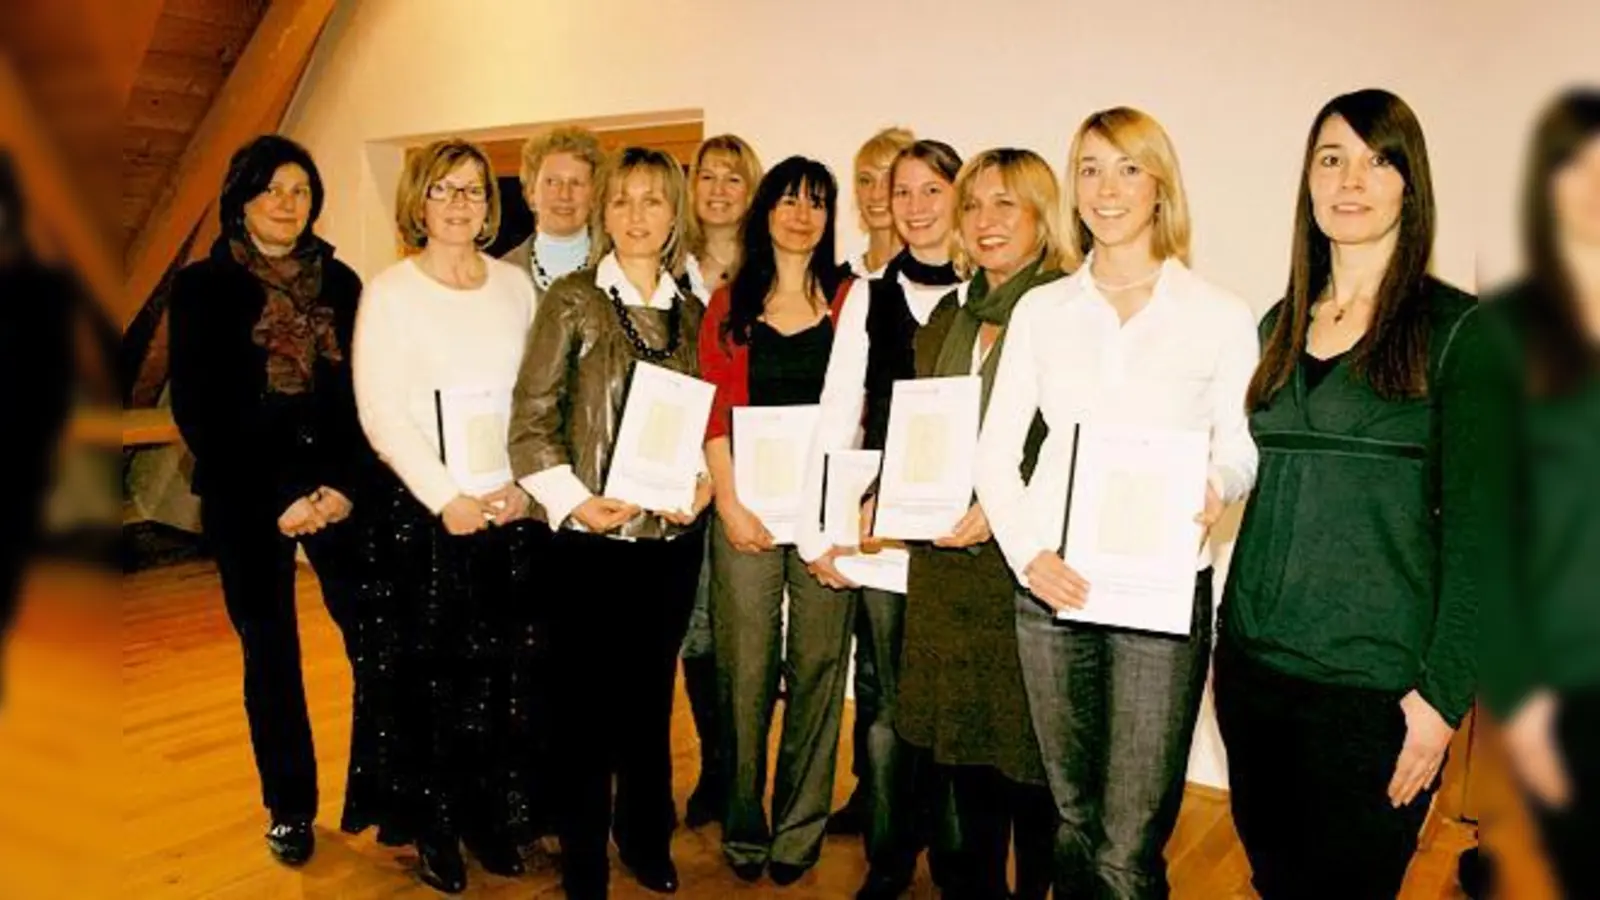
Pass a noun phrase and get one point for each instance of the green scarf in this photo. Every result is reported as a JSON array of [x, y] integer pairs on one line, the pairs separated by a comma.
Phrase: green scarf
[[991, 307]]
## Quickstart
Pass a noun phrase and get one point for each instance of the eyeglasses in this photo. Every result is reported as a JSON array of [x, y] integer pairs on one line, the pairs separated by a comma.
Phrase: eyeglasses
[[443, 191]]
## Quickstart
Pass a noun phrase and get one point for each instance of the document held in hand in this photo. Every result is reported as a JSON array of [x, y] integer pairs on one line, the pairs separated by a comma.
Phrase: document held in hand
[[659, 449], [846, 476], [1130, 529], [928, 458], [770, 444], [472, 436], [885, 570]]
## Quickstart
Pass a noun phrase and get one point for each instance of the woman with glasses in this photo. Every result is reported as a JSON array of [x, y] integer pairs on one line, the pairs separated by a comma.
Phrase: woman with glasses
[[447, 317]]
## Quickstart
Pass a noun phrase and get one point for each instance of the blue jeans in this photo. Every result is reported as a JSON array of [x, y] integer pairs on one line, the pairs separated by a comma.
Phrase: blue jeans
[[1114, 712]]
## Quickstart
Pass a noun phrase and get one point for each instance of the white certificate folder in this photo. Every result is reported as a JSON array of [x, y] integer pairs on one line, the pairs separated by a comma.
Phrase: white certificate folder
[[1130, 527], [770, 447], [472, 436], [928, 458], [659, 449]]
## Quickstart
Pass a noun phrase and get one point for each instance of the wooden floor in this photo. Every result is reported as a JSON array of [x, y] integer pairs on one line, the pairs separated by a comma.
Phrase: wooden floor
[[192, 821]]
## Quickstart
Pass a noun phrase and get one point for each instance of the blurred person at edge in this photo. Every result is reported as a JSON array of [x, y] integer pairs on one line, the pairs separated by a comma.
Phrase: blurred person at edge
[[1542, 671], [36, 307]]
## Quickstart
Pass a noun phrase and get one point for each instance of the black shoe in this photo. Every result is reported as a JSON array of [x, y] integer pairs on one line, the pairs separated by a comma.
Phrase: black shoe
[[851, 818], [749, 872], [291, 841], [441, 867], [497, 855], [785, 874], [658, 875], [882, 885]]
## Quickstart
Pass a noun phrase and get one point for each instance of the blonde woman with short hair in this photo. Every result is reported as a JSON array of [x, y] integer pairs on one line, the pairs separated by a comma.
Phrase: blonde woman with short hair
[[1132, 337], [632, 572], [447, 316], [558, 172]]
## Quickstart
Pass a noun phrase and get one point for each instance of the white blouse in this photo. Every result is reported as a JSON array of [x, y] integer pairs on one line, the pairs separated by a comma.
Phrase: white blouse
[[414, 336], [1184, 361]]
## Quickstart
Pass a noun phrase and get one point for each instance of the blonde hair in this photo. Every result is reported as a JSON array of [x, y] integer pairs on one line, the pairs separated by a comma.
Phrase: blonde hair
[[579, 142], [744, 161], [427, 166], [1027, 177], [616, 169], [880, 149], [1145, 142]]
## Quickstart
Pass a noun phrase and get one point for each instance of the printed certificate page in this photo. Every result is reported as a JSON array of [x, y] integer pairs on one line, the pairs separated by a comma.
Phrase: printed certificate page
[[770, 444], [848, 474], [472, 437], [928, 458], [660, 444], [1131, 530]]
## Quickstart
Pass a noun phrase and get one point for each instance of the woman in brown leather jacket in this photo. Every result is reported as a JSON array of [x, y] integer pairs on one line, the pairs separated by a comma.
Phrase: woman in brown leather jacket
[[615, 646]]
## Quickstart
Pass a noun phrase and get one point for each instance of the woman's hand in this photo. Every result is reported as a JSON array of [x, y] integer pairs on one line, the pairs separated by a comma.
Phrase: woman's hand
[[509, 503], [869, 513], [744, 528], [301, 518], [334, 506], [972, 529], [1427, 738], [465, 515], [826, 571], [603, 514], [1535, 756], [1213, 508], [702, 499], [1056, 583]]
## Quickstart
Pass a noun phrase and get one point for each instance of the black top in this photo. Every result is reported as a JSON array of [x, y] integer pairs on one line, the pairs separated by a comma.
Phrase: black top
[[891, 339], [787, 370], [245, 439], [1317, 370]]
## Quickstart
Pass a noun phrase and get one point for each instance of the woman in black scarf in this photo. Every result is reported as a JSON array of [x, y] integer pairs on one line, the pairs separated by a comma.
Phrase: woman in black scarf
[[261, 392]]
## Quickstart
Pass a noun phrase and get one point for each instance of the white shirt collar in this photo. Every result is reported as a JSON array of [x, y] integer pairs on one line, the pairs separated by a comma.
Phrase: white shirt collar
[[609, 275]]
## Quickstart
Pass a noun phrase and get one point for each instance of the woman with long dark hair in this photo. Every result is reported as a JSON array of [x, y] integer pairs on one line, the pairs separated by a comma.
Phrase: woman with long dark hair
[[1348, 642], [261, 392], [1544, 676], [766, 341]]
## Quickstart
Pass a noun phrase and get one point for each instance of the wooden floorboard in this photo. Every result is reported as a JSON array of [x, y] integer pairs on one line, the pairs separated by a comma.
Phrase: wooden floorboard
[[192, 822]]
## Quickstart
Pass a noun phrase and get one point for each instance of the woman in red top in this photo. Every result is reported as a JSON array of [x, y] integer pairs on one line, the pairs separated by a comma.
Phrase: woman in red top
[[765, 342]]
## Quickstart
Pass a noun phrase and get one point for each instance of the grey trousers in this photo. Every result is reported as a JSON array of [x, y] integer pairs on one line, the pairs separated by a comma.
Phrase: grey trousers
[[1114, 712], [747, 593]]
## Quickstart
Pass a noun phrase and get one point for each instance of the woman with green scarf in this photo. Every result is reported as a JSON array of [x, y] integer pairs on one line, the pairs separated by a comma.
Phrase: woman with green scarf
[[961, 691], [1132, 338]]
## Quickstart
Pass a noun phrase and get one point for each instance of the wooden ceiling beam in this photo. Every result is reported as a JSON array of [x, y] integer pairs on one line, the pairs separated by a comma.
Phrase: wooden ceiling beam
[[269, 66]]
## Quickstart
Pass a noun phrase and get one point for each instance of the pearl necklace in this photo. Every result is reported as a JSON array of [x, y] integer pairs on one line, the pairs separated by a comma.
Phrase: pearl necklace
[[1118, 288]]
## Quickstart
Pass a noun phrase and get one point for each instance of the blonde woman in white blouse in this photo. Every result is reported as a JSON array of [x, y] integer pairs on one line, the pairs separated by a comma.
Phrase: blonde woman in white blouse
[[448, 316], [1133, 337]]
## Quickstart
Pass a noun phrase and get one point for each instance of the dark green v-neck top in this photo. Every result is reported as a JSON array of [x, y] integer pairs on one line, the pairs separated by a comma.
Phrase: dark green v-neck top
[[1364, 549]]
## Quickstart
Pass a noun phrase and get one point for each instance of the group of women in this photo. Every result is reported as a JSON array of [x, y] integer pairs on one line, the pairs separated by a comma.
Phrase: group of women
[[515, 650]]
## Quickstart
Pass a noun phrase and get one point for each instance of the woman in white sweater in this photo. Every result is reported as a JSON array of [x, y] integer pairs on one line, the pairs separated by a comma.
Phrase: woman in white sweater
[[445, 320]]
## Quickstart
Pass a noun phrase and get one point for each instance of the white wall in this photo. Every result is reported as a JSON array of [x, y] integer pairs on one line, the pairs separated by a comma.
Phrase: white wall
[[1234, 81]]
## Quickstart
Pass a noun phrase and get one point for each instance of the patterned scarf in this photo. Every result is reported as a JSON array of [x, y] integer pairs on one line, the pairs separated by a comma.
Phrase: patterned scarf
[[295, 329]]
